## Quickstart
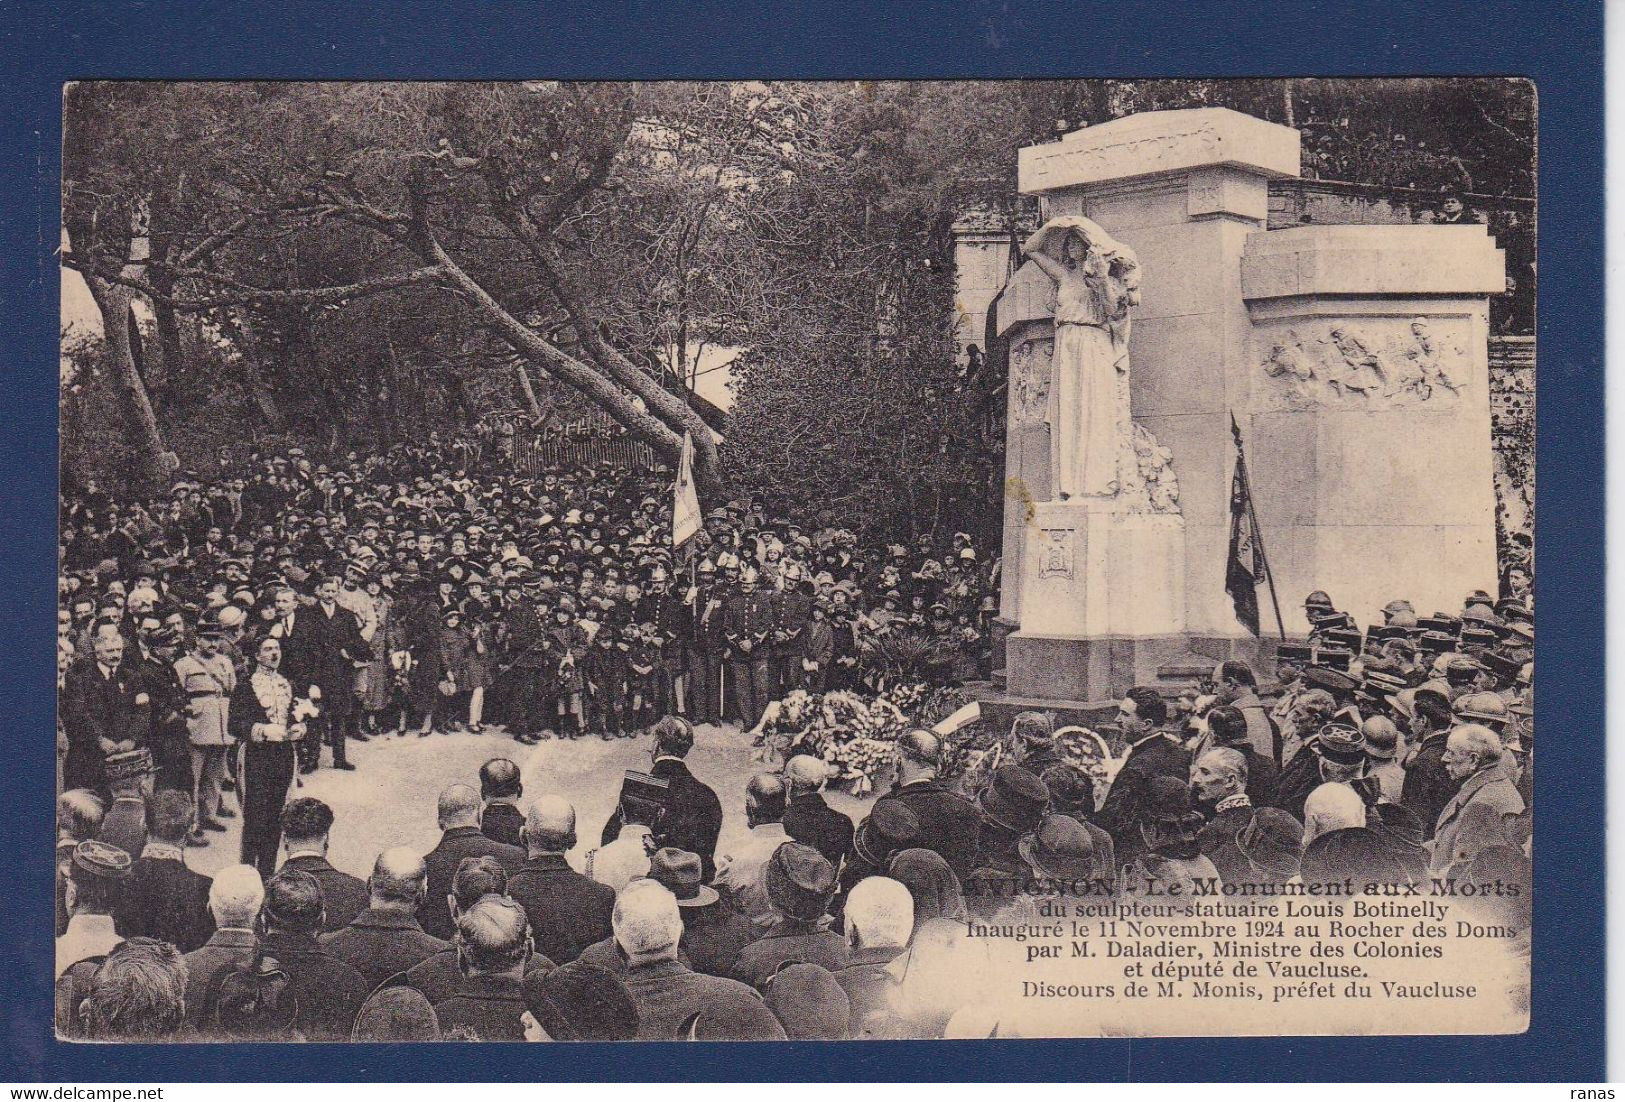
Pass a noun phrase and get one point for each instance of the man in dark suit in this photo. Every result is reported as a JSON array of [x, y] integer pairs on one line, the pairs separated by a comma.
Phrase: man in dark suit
[[385, 938], [163, 898], [235, 897], [807, 817], [501, 789], [329, 991], [493, 947], [668, 994], [306, 823], [327, 639], [949, 823], [1153, 752], [440, 977], [459, 816], [693, 816], [567, 911], [104, 711]]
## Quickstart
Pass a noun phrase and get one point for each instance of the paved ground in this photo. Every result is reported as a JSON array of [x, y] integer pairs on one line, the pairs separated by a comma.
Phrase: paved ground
[[390, 798]]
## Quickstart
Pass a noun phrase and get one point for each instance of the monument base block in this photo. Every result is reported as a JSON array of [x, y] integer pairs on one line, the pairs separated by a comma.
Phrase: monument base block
[[1079, 668]]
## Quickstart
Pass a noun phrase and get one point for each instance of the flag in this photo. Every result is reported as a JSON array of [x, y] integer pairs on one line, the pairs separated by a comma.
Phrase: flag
[[685, 506], [1245, 567]]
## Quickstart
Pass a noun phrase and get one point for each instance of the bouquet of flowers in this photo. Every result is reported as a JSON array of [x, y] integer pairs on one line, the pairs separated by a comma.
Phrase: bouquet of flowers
[[854, 735]]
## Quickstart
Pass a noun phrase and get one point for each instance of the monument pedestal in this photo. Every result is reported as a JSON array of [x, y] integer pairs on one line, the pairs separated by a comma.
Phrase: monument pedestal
[[1104, 599]]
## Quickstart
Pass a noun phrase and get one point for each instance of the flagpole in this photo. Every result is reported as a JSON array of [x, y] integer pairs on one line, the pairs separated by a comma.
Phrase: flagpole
[[1258, 532]]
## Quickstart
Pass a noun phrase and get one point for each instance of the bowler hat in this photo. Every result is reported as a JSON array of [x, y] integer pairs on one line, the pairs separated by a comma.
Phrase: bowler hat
[[1061, 847], [800, 881], [889, 827], [1167, 800], [681, 871], [1015, 799]]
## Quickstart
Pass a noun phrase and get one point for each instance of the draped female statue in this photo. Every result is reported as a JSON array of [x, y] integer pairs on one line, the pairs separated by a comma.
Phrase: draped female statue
[[1097, 279]]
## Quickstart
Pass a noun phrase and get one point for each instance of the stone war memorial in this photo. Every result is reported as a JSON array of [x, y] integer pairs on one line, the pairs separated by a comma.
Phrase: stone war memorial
[[1152, 307]]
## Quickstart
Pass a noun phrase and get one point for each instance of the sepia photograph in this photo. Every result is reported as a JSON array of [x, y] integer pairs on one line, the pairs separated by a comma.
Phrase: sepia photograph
[[795, 560]]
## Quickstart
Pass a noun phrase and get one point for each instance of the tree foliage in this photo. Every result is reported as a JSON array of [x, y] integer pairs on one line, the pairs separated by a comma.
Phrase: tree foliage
[[365, 262]]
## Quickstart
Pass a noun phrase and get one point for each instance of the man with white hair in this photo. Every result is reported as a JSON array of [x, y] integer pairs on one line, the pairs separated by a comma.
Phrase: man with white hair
[[669, 995], [1219, 783], [568, 911], [235, 898], [1472, 757], [879, 922], [1330, 807]]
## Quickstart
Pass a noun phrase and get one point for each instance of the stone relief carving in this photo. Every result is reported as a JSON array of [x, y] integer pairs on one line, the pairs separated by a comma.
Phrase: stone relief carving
[[1029, 380], [1149, 482], [1345, 364], [1055, 553]]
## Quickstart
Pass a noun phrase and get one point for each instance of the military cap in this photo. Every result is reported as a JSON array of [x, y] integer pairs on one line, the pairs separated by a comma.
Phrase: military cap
[[1015, 799], [1511, 608], [1341, 743], [1294, 652], [1383, 683], [1436, 642], [100, 859], [1478, 637], [1399, 606], [1522, 633], [1335, 658], [1462, 668], [1345, 639]]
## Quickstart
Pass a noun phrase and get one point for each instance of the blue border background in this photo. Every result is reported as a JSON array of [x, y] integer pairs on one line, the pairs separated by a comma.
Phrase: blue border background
[[1559, 46]]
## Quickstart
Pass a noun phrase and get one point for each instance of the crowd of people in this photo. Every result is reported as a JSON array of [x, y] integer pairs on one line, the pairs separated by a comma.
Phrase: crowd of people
[[214, 642], [422, 590]]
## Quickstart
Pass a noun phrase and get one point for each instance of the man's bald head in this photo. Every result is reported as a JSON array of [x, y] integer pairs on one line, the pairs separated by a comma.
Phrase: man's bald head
[[399, 876], [550, 827], [459, 806], [764, 798], [499, 779]]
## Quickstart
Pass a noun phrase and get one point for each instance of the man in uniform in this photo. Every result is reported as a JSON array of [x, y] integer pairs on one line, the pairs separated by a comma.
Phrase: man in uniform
[[792, 611], [527, 632], [207, 681], [747, 627], [706, 608]]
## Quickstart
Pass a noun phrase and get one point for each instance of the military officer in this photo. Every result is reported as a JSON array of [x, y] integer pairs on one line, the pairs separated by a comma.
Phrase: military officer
[[207, 681]]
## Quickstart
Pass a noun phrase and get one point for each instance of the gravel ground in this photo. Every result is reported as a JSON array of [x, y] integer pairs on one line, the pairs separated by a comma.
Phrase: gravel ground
[[390, 799]]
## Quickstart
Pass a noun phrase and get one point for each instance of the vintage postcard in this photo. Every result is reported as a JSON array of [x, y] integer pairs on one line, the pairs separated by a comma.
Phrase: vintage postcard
[[795, 560]]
